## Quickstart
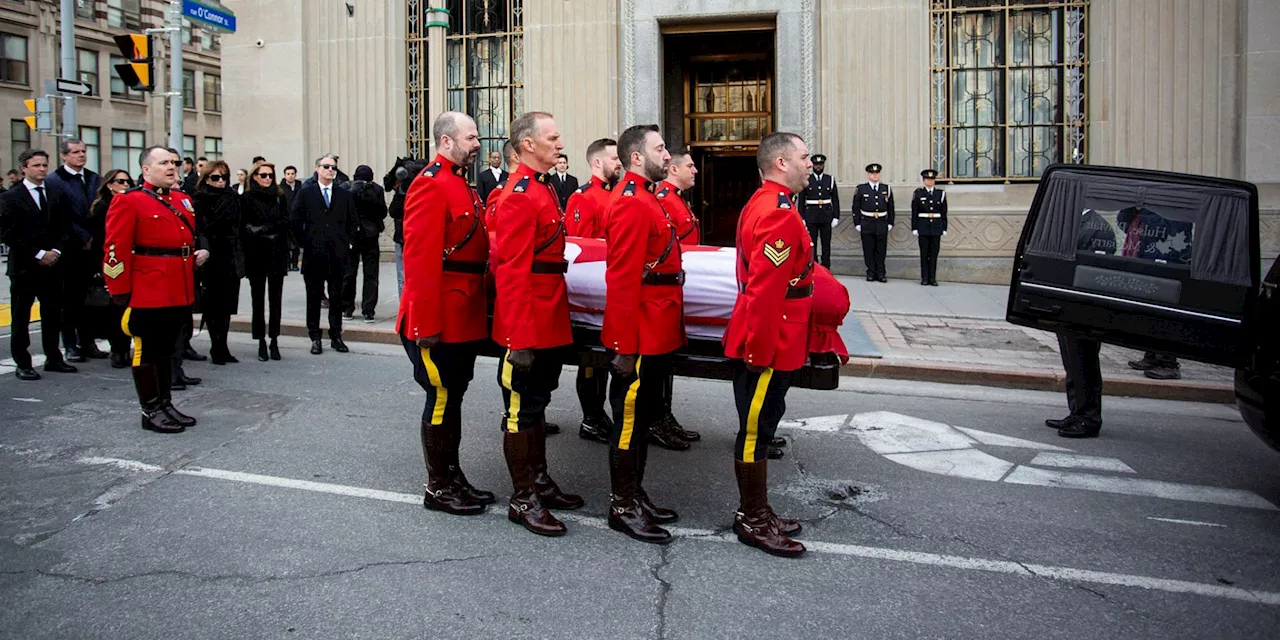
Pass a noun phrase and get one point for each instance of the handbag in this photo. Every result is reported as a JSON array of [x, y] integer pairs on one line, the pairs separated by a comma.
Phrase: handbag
[[97, 294]]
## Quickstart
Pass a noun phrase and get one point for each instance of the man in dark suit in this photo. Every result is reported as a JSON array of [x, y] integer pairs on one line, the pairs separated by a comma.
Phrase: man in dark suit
[[290, 185], [189, 182], [35, 223], [564, 183], [78, 187], [326, 224], [491, 176]]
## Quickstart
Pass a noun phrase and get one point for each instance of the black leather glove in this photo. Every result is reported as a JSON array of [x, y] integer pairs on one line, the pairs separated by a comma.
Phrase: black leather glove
[[121, 299], [624, 365], [521, 359], [429, 342]]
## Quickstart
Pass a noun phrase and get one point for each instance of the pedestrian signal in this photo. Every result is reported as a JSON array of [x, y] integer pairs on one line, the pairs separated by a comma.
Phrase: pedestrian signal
[[138, 70]]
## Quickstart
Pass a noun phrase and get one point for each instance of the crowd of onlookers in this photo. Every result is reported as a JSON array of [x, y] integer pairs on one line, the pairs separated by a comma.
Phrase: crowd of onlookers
[[253, 222]]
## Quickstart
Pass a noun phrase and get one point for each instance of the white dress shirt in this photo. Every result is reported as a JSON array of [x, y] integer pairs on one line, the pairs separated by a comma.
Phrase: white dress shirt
[[35, 197]]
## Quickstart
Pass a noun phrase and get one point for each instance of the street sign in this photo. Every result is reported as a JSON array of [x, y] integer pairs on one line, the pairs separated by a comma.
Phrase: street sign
[[74, 86], [210, 13]]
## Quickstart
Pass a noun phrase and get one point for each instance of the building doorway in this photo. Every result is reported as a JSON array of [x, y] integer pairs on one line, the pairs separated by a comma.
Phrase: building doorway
[[720, 103]]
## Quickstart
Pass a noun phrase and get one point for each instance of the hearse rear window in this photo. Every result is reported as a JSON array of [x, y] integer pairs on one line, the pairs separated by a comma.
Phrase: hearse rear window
[[1136, 232]]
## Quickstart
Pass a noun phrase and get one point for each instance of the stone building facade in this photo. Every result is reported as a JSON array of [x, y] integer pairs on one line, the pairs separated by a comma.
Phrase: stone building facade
[[986, 91], [115, 122]]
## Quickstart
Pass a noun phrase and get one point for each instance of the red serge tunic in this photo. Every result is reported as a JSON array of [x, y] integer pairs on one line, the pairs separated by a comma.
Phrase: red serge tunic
[[531, 309], [644, 304], [584, 214], [770, 322], [139, 221], [446, 252], [678, 211]]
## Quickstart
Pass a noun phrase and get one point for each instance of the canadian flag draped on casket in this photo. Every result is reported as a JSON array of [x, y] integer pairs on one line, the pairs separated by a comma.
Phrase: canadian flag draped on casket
[[710, 290]]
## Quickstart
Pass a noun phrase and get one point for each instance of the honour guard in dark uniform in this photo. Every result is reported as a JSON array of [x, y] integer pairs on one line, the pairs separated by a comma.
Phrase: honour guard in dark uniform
[[584, 217], [820, 206], [643, 326], [149, 262], [873, 217], [929, 224], [443, 317], [667, 432], [531, 320], [767, 334]]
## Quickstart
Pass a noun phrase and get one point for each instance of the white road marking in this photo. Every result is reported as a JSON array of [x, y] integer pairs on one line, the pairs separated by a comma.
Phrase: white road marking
[[9, 366], [27, 400], [823, 424], [942, 449], [1139, 487], [1076, 461], [1191, 522], [998, 440], [1066, 574]]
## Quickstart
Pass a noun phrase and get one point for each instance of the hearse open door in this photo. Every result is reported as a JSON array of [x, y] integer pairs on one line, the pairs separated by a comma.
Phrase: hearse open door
[[1145, 259]]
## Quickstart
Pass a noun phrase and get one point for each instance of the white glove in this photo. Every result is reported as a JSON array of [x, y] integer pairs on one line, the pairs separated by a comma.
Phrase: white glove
[[891, 227], [944, 233], [858, 228], [835, 222], [915, 233]]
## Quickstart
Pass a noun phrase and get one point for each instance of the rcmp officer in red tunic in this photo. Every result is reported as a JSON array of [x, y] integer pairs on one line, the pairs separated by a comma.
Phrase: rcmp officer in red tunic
[[681, 176], [584, 218], [929, 224], [149, 264], [442, 318], [873, 218], [531, 320], [768, 331], [643, 326]]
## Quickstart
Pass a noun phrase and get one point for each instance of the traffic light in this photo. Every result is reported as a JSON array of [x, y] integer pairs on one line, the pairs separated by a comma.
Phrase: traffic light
[[41, 118], [138, 71]]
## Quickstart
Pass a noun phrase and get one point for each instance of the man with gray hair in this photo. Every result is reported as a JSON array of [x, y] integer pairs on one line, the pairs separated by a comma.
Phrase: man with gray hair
[[325, 223], [78, 186], [767, 336]]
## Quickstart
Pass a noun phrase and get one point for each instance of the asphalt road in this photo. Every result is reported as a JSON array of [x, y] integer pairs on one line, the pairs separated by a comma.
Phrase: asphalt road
[[293, 511]]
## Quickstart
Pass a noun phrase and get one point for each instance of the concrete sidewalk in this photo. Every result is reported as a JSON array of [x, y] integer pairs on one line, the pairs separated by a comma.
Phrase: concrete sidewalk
[[953, 333]]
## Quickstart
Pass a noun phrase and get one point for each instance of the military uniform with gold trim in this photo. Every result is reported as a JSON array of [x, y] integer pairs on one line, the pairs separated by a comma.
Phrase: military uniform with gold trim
[[873, 217], [929, 224]]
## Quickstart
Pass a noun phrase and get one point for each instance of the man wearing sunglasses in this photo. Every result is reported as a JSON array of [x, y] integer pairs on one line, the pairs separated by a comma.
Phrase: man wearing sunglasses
[[326, 224]]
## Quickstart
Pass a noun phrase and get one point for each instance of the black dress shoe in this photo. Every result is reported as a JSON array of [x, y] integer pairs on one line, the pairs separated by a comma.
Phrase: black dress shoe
[[92, 352], [1080, 428], [74, 355], [316, 349], [160, 422], [778, 442], [176, 385], [883, 279], [597, 428], [26, 373], [119, 360], [187, 380], [179, 417], [775, 453], [189, 353], [664, 437], [58, 366], [338, 345], [1054, 423], [1164, 373], [262, 351], [933, 283], [550, 428], [871, 278], [274, 350], [924, 283]]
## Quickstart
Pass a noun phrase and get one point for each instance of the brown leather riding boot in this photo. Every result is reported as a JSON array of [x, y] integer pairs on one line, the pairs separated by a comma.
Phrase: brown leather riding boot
[[625, 512], [547, 488], [658, 514], [456, 476], [526, 508], [440, 494], [754, 521], [154, 417]]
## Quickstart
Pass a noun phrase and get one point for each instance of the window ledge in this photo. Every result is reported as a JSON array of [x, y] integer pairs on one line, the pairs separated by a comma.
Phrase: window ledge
[[15, 85]]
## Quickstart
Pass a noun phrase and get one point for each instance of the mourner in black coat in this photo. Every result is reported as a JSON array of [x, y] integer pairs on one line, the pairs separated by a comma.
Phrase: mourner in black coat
[[371, 207], [325, 223], [265, 235], [218, 221]]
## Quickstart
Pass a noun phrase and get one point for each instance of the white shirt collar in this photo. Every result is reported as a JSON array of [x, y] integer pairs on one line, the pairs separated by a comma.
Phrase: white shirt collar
[[72, 171], [31, 186]]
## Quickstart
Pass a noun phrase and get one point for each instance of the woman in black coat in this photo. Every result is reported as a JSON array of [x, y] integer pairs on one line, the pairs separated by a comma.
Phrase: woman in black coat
[[114, 182], [218, 225], [266, 251]]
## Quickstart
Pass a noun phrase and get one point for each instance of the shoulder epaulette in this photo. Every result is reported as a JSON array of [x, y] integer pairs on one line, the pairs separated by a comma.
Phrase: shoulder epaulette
[[431, 170], [630, 189], [521, 186], [662, 193], [585, 187], [784, 201]]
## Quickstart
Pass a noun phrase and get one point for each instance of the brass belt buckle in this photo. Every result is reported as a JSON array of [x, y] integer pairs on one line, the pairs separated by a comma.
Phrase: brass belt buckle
[[186, 251]]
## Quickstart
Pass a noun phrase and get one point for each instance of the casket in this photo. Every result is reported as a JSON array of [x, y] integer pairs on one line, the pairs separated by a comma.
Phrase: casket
[[710, 291]]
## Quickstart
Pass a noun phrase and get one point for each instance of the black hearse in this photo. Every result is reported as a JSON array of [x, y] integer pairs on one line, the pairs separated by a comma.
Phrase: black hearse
[[1155, 261]]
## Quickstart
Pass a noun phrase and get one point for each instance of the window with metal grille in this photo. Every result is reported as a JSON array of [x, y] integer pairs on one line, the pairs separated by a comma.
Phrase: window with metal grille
[[484, 67], [13, 58], [1008, 87]]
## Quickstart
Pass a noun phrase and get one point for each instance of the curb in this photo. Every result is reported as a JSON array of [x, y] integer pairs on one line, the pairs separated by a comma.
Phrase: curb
[[887, 368]]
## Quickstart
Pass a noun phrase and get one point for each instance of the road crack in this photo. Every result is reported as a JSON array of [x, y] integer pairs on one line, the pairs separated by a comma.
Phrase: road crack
[[244, 578], [664, 590]]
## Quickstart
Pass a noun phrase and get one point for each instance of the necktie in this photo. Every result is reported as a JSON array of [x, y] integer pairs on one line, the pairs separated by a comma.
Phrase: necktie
[[44, 204], [326, 196], [84, 184]]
